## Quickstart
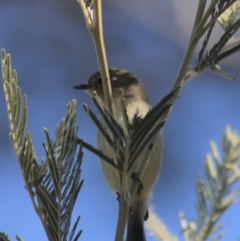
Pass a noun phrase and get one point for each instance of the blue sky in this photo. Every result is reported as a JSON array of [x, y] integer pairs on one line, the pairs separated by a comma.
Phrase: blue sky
[[52, 51]]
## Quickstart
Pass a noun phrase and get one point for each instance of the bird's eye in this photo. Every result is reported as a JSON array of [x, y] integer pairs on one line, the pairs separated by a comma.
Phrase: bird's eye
[[99, 80], [113, 79]]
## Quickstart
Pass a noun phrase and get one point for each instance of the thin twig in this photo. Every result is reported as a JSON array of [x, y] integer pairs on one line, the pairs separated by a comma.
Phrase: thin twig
[[185, 63], [101, 54], [87, 15], [206, 16], [200, 11], [123, 200], [197, 33], [191, 45], [122, 219], [94, 25]]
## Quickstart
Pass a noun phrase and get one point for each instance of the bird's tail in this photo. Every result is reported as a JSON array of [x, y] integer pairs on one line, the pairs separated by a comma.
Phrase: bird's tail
[[135, 228]]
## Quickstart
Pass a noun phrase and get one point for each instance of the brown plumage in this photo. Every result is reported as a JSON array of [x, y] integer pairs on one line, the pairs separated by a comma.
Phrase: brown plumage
[[136, 100]]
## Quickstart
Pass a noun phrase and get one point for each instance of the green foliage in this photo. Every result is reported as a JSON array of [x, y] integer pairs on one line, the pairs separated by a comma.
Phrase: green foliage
[[137, 134], [215, 54], [229, 17], [4, 237], [216, 194], [19, 238], [227, 44], [129, 142], [54, 185], [60, 184]]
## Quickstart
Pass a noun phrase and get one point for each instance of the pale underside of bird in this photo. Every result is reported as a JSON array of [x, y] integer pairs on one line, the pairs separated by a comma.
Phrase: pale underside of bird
[[136, 101]]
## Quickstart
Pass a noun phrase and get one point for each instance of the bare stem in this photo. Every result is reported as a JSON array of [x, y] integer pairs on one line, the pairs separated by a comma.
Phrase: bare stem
[[206, 16], [123, 199], [96, 31], [200, 11], [97, 34], [122, 218], [185, 63], [86, 14], [191, 45]]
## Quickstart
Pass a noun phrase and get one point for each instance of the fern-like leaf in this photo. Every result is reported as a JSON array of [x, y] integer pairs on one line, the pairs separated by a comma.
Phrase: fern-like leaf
[[60, 189], [4, 237], [213, 57], [216, 195]]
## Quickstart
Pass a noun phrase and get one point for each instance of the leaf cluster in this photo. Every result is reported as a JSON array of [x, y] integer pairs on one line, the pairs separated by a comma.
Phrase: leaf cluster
[[54, 185], [229, 17], [4, 237], [226, 46], [132, 141], [136, 134], [216, 194], [215, 54]]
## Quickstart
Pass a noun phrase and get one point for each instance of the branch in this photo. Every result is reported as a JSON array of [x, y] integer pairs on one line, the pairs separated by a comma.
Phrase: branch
[[53, 186], [21, 140], [215, 195], [96, 30], [214, 19], [123, 144], [200, 12]]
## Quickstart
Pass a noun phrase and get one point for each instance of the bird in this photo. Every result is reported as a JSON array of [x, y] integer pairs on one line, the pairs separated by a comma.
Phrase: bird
[[136, 102]]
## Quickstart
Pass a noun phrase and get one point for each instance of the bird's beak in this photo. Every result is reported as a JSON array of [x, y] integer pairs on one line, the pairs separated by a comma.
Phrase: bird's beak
[[82, 87]]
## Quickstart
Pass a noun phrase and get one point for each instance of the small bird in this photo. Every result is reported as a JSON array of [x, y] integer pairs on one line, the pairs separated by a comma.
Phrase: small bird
[[136, 101]]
